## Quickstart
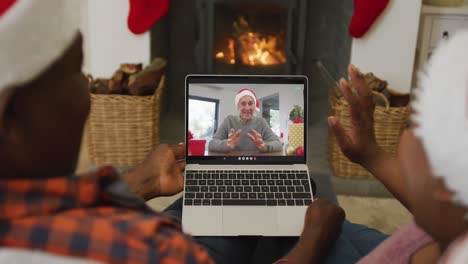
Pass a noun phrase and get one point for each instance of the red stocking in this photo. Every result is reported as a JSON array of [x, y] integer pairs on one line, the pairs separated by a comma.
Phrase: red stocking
[[144, 13], [365, 13], [5, 5]]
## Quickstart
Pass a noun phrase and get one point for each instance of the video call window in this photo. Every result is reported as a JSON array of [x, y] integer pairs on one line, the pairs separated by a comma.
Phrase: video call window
[[245, 119]]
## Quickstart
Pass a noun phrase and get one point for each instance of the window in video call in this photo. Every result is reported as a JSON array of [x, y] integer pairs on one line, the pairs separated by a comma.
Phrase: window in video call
[[246, 122]]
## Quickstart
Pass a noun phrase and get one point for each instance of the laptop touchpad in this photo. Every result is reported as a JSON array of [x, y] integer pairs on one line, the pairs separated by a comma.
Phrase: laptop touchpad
[[253, 220]]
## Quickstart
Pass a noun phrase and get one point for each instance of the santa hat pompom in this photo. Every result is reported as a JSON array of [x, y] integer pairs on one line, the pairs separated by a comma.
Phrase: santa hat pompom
[[244, 92], [441, 114]]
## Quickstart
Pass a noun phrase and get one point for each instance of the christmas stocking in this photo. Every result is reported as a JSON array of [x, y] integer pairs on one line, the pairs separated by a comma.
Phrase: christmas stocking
[[5, 5], [144, 13], [365, 13]]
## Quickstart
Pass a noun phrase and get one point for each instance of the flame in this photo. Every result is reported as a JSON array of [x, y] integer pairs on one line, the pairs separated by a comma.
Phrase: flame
[[251, 47], [231, 52]]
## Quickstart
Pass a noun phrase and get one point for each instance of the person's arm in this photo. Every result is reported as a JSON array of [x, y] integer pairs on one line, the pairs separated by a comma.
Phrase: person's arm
[[219, 141], [161, 174], [322, 227], [387, 169], [359, 143], [272, 141]]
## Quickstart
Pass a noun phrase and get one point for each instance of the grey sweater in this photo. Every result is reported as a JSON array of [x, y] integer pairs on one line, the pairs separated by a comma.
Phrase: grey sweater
[[219, 141]]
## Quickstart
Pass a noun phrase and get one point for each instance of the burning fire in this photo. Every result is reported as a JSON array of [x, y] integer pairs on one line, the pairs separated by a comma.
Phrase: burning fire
[[251, 47]]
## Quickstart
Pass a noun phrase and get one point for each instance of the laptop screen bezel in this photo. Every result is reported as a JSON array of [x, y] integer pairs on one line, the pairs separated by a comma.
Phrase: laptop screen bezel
[[247, 79]]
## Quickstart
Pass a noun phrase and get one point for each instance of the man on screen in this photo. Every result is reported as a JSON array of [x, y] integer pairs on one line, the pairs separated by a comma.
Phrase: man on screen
[[245, 132]]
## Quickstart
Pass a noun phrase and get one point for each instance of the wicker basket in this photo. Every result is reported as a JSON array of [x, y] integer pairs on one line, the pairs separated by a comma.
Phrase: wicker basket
[[123, 129], [389, 124]]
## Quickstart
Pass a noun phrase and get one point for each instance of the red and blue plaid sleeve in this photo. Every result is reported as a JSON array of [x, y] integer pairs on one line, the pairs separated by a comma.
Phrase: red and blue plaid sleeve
[[69, 216]]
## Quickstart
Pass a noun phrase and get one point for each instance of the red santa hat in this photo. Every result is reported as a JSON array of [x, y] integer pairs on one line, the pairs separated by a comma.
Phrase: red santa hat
[[244, 92], [33, 35]]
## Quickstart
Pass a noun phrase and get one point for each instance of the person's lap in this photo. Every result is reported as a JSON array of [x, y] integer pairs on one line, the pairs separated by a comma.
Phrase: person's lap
[[355, 242], [221, 249]]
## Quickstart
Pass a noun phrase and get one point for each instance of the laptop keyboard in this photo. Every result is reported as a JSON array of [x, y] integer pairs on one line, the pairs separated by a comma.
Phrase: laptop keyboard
[[240, 187]]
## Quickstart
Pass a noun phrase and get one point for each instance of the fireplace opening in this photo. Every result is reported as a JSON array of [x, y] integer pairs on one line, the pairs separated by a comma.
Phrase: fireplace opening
[[250, 37]]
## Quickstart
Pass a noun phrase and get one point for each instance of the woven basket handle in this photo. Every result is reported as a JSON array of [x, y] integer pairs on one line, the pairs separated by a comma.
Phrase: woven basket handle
[[160, 86], [90, 80], [162, 81], [384, 98]]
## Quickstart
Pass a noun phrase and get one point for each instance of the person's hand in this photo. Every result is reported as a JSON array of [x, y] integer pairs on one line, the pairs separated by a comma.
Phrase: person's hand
[[161, 174], [322, 221], [358, 144], [233, 138], [257, 140], [322, 226]]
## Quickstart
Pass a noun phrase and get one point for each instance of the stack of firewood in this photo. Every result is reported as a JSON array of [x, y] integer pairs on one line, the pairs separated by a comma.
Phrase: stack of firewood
[[131, 79]]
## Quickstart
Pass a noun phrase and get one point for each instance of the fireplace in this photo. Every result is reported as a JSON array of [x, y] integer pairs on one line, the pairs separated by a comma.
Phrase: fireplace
[[194, 32], [250, 37]]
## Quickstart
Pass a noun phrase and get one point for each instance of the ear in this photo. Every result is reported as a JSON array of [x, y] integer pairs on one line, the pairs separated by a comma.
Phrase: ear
[[441, 193]]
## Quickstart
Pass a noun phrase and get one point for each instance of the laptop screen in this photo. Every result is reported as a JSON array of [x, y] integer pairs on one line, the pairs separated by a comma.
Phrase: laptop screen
[[246, 119]]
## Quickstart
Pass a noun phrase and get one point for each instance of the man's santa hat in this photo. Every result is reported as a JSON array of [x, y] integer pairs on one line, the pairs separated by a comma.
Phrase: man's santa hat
[[34, 34], [250, 93], [441, 114]]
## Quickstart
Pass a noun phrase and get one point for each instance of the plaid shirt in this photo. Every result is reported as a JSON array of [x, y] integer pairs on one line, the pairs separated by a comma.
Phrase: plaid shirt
[[90, 217]]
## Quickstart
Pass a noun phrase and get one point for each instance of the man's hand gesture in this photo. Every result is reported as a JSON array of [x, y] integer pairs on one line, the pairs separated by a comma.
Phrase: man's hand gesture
[[233, 138], [257, 140]]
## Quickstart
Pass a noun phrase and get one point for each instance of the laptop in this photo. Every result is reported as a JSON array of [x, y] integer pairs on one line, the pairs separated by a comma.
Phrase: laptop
[[253, 190]]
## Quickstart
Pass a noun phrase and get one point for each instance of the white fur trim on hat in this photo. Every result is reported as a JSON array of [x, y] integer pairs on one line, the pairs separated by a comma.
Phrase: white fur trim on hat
[[457, 252], [250, 93], [441, 114], [35, 33]]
